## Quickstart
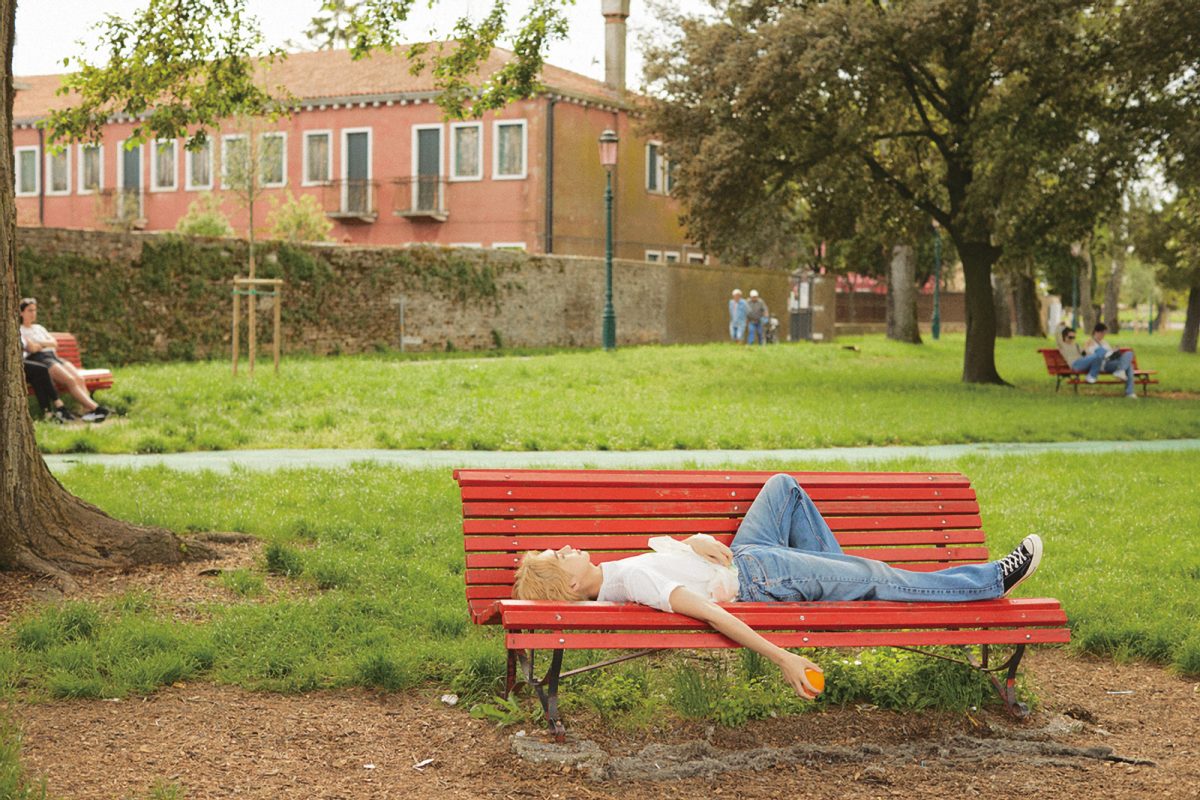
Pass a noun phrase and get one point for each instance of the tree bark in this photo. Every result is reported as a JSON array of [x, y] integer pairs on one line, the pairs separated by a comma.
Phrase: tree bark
[[1087, 306], [1112, 292], [1001, 292], [979, 355], [1028, 306], [1191, 325], [902, 296], [43, 527]]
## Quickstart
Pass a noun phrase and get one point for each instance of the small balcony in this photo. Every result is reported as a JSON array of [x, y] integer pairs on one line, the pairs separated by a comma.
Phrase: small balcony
[[352, 201], [421, 197], [121, 208]]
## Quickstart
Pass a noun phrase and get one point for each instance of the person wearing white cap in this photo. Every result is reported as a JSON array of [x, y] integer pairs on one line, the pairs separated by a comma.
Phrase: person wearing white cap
[[756, 316], [737, 316]]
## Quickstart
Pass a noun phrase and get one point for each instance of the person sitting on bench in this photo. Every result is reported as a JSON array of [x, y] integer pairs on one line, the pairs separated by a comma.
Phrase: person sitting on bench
[[39, 346], [38, 376], [1097, 356], [783, 551]]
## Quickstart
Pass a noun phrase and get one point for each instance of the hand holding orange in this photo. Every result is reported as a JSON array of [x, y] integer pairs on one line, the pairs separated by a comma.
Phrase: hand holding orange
[[817, 679]]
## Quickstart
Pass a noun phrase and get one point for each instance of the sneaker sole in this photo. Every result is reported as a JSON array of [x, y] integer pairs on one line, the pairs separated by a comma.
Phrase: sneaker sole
[[1033, 543]]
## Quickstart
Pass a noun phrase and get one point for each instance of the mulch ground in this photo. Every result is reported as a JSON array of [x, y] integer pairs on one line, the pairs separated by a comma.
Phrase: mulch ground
[[218, 742]]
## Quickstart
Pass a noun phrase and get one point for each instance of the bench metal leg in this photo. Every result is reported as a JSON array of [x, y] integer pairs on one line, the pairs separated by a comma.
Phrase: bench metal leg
[[1008, 689], [546, 688]]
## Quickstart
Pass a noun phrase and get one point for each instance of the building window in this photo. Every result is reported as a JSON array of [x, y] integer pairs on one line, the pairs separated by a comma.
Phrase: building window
[[318, 158], [91, 168], [695, 258], [660, 173], [654, 255], [273, 159], [27, 171], [509, 246], [199, 167], [58, 172], [234, 155], [671, 257], [164, 167], [466, 151], [509, 150]]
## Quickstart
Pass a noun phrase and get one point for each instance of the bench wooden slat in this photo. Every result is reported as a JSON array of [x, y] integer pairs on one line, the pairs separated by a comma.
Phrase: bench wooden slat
[[890, 555], [474, 544], [700, 508], [583, 478], [614, 493], [672, 641]]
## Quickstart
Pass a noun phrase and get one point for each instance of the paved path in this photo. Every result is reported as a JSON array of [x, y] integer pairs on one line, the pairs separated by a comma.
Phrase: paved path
[[223, 461]]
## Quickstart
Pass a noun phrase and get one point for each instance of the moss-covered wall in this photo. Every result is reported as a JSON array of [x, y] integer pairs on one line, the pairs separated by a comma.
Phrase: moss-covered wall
[[145, 297]]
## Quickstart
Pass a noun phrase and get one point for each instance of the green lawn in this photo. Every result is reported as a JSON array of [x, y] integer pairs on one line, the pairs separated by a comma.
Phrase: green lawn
[[375, 554], [685, 397]]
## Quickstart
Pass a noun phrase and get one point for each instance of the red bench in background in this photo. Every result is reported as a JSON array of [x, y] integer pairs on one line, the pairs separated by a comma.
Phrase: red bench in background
[[1060, 370], [68, 350], [919, 521]]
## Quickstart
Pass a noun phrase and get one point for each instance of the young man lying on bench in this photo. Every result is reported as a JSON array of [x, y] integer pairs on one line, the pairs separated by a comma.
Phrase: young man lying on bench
[[783, 551]]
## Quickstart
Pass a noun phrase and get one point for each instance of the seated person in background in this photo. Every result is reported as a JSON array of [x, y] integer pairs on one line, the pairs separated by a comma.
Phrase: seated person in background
[[1097, 356], [783, 551], [38, 376], [38, 346]]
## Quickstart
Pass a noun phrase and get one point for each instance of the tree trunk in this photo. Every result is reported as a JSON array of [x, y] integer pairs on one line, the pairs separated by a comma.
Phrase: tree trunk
[[902, 296], [1162, 317], [1191, 325], [1087, 307], [1028, 305], [979, 355], [1001, 293], [1112, 293], [44, 528]]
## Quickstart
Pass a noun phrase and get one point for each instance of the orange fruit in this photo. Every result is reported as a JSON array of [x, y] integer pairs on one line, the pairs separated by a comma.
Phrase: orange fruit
[[817, 679]]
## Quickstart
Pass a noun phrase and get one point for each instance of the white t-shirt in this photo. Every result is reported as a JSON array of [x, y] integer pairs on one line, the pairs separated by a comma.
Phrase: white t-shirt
[[650, 578], [34, 333]]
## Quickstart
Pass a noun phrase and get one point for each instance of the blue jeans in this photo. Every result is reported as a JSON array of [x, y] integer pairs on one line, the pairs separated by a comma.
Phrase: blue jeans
[[735, 331], [1125, 362], [754, 332], [1090, 364], [784, 551]]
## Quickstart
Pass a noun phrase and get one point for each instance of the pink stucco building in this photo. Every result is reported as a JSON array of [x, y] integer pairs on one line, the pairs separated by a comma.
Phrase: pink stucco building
[[370, 144]]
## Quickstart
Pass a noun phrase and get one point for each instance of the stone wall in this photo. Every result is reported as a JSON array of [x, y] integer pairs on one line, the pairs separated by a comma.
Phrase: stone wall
[[151, 296]]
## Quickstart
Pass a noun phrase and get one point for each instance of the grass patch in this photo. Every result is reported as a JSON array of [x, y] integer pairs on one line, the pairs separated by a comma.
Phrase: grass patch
[[681, 397], [14, 783], [391, 615]]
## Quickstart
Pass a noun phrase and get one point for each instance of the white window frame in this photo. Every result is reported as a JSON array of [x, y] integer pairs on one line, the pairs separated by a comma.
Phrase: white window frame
[[509, 246], [225, 140], [81, 185], [654, 256], [496, 125], [37, 172], [697, 258], [670, 256], [188, 156], [452, 149], [416, 183], [305, 180], [50, 190], [468, 245], [174, 187], [345, 134], [661, 170], [283, 155]]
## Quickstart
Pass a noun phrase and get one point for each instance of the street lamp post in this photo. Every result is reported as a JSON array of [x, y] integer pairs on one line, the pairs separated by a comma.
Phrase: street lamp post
[[936, 323], [608, 158]]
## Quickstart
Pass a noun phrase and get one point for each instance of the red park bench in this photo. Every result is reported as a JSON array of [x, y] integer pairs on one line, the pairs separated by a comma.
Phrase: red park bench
[[1060, 370], [68, 350], [918, 521]]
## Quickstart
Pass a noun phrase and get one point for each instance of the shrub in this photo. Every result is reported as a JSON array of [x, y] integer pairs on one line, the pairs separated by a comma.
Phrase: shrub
[[299, 220], [205, 218], [283, 560]]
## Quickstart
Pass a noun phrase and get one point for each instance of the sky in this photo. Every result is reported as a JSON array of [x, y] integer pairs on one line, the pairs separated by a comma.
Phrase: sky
[[50, 30]]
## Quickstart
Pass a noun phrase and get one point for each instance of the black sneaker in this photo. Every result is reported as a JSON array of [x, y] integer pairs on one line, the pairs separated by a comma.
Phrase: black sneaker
[[63, 414], [1021, 562], [102, 411]]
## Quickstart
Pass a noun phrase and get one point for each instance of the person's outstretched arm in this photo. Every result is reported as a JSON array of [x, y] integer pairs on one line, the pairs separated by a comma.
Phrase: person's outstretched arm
[[685, 601]]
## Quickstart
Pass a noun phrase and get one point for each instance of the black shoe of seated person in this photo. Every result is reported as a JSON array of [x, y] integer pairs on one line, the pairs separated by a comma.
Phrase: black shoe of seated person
[[1021, 562], [63, 414]]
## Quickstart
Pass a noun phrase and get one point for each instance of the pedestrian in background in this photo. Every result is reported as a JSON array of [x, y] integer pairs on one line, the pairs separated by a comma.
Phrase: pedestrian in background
[[737, 316], [756, 318]]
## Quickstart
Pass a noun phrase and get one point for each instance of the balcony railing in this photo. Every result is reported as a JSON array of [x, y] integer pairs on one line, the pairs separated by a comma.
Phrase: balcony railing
[[421, 197], [121, 208], [351, 200]]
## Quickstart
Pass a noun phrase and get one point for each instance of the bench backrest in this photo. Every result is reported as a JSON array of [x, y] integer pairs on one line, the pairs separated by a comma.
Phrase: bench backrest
[[68, 348], [919, 521]]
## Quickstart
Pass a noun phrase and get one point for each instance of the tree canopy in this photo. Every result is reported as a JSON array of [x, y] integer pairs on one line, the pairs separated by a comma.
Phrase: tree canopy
[[1002, 120]]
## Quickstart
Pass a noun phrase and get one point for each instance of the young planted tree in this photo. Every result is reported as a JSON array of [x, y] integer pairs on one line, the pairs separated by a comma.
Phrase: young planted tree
[[1000, 119], [178, 67]]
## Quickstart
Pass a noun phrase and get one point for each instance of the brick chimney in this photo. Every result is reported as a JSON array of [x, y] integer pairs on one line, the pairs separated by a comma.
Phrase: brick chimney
[[615, 13]]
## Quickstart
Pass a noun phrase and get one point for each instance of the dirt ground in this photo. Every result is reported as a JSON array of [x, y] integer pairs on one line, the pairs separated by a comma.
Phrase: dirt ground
[[1104, 730]]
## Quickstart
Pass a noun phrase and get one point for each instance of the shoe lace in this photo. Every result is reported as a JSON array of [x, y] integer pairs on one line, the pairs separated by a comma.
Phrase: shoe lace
[[1011, 562]]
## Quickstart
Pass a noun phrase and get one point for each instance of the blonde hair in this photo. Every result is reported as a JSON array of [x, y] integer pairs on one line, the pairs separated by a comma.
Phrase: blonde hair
[[542, 579]]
